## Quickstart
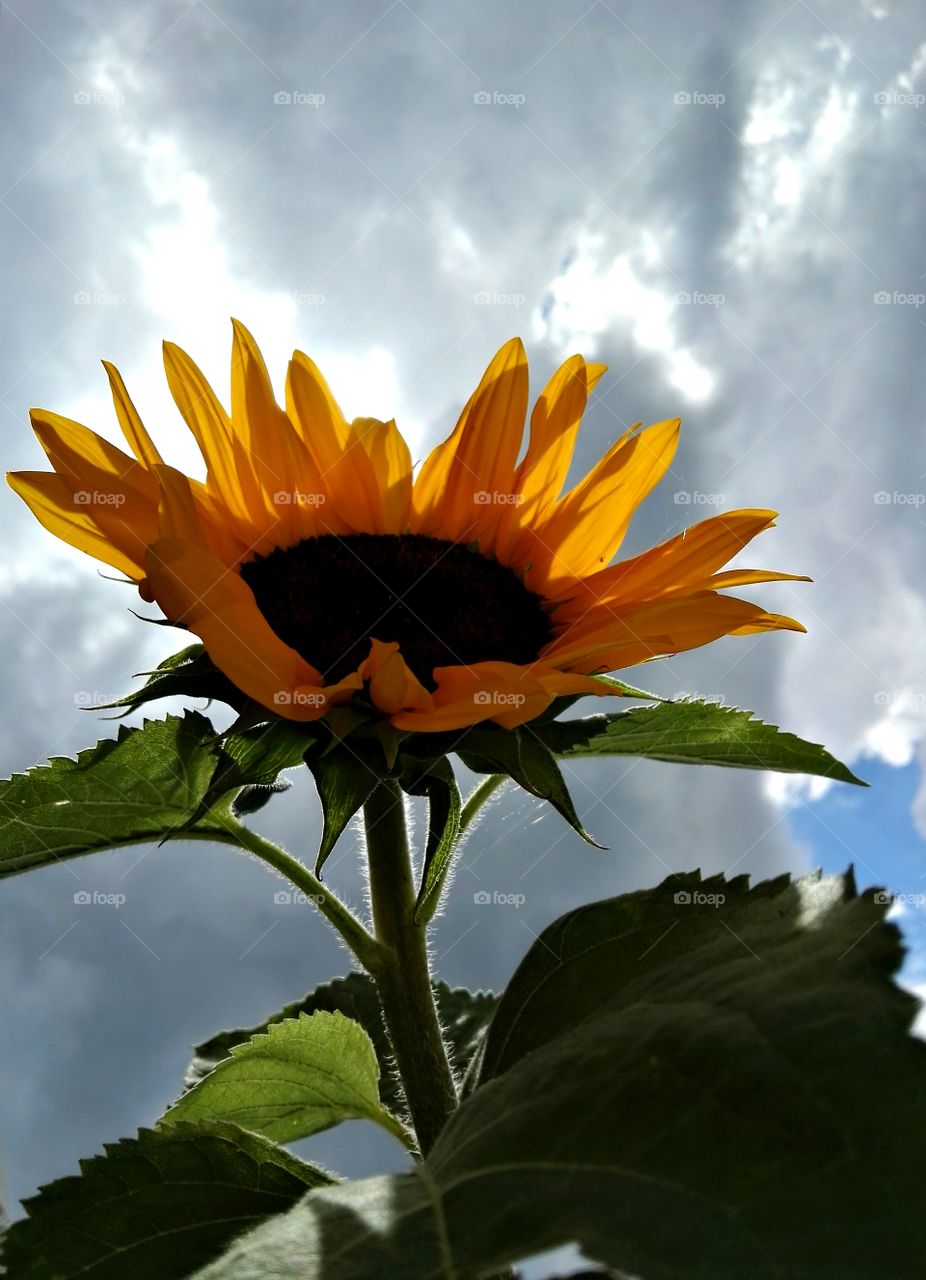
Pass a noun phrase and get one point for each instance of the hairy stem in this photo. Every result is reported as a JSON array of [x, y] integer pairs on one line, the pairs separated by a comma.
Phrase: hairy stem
[[402, 972], [360, 941], [477, 798]]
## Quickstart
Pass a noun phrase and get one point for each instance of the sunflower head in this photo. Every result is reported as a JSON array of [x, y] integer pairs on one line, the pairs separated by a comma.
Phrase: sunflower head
[[325, 581]]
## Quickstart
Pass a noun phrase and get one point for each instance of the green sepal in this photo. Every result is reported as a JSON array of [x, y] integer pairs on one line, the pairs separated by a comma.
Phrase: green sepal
[[436, 781], [523, 755]]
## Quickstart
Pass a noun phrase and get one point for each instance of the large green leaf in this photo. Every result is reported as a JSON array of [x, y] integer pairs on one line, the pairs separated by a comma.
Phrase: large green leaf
[[634, 946], [145, 784], [464, 1016], [302, 1075], [156, 1207], [757, 1112], [692, 732]]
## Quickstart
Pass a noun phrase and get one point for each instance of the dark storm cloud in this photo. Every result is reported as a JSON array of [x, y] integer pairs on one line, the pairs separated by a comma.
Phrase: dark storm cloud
[[404, 201]]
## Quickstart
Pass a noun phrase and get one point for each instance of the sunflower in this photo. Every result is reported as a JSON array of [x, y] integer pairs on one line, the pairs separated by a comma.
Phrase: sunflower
[[316, 569]]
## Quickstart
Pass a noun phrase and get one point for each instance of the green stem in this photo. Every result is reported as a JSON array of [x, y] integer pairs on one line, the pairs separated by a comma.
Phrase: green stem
[[477, 798], [363, 944], [402, 974]]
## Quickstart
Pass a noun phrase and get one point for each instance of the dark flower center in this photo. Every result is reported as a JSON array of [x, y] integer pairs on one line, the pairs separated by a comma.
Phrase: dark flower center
[[445, 604]]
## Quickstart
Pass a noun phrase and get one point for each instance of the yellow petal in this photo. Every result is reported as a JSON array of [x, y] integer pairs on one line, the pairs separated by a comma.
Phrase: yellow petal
[[670, 624], [132, 426], [462, 481], [343, 465], [684, 559], [393, 686], [391, 469], [51, 501], [587, 526], [84, 458], [229, 470], [503, 692]]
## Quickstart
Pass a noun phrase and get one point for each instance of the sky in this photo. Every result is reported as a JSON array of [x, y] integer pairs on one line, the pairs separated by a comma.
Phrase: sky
[[721, 202]]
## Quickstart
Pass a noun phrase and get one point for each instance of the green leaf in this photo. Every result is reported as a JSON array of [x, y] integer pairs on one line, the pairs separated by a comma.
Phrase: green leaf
[[755, 1110], [156, 1207], [524, 756], [640, 944], [345, 775], [464, 1016], [435, 779], [693, 733], [302, 1075], [145, 784], [187, 674]]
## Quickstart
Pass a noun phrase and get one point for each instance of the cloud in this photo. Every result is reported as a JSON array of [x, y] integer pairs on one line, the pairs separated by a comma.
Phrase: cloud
[[399, 231]]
